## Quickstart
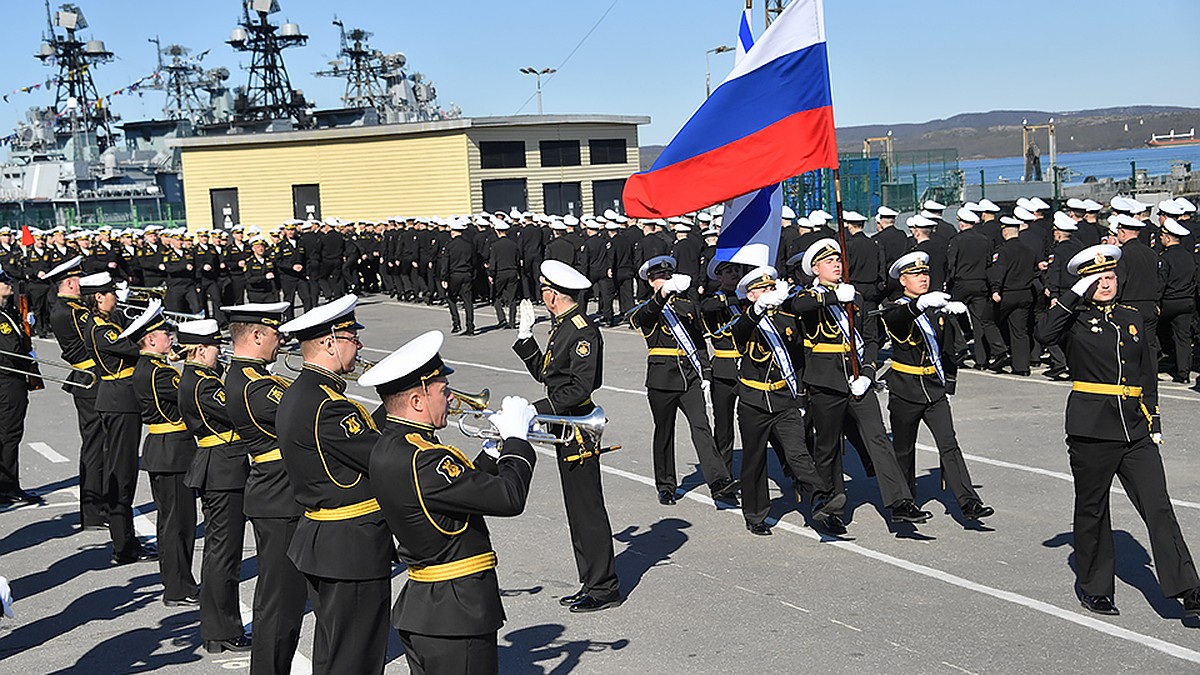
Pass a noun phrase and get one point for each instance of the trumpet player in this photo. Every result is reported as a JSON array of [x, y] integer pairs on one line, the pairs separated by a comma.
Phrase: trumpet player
[[270, 503], [678, 376], [14, 397], [219, 472], [341, 545], [69, 319], [571, 369], [120, 415], [167, 453], [449, 611]]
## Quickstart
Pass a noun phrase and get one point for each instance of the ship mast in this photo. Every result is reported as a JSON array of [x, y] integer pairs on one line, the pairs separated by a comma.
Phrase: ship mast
[[268, 94], [79, 110]]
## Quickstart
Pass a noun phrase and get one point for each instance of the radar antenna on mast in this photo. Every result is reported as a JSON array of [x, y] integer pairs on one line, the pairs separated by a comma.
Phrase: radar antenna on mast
[[79, 109], [268, 94]]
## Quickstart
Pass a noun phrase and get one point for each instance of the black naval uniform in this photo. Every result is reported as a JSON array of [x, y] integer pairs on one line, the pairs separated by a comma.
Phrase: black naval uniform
[[827, 372], [673, 384], [571, 368], [14, 399], [69, 319], [769, 410], [219, 473], [167, 453], [718, 311], [121, 418], [342, 544], [967, 260], [918, 392], [457, 271], [1011, 275], [288, 254], [1111, 413], [259, 287], [449, 611], [504, 267], [1177, 279], [252, 399]]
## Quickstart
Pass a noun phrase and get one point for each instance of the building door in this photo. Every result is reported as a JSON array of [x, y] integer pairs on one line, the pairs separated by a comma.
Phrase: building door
[[505, 195], [306, 202], [224, 207], [606, 194], [561, 199]]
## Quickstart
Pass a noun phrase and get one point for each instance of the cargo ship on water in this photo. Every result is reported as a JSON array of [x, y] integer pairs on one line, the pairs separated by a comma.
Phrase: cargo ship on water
[[1173, 140]]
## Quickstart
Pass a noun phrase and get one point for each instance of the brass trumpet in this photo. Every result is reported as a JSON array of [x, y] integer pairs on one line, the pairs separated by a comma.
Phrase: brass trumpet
[[465, 403], [294, 361], [587, 429], [132, 311], [48, 363], [146, 293]]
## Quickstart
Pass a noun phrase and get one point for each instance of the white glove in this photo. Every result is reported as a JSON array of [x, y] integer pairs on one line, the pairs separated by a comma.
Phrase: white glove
[[514, 418], [678, 283], [6, 598], [782, 287], [860, 385], [932, 300], [492, 448], [525, 319], [31, 319], [1157, 437], [844, 292], [122, 291], [768, 300], [1081, 287], [955, 307]]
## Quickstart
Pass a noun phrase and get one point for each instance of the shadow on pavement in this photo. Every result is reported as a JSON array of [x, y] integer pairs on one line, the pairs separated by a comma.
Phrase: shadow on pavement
[[648, 549], [138, 650], [530, 647]]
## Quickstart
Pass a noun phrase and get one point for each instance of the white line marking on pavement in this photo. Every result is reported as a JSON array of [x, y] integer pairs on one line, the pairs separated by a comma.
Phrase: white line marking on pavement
[[48, 452], [853, 628], [961, 670], [795, 607], [300, 663], [1168, 648]]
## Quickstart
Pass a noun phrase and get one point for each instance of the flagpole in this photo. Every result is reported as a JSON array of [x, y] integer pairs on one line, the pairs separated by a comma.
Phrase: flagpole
[[851, 308]]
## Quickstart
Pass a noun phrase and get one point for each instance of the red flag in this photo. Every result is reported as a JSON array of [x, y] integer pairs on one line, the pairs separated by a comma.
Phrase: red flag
[[26, 236]]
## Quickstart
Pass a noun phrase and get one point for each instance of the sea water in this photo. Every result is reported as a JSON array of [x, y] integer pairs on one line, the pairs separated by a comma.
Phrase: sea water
[[1102, 164]]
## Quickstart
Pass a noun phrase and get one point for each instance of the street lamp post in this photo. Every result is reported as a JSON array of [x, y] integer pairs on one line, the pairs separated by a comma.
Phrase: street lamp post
[[707, 71], [538, 74]]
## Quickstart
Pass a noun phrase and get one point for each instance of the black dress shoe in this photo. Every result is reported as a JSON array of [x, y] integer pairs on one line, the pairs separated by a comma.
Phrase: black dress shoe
[[998, 364], [470, 332], [187, 601], [590, 604], [1021, 373], [761, 529], [1191, 604], [974, 510], [237, 644], [1054, 372], [502, 326], [724, 488], [142, 555], [7, 498], [666, 497], [1181, 379], [456, 330], [1099, 604], [568, 600], [830, 507], [907, 512], [833, 525], [19, 495]]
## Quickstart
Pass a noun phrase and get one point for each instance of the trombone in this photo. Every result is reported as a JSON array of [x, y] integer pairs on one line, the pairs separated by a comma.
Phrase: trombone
[[48, 363], [294, 362]]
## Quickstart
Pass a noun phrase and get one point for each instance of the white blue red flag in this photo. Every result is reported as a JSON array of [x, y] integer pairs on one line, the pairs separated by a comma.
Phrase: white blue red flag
[[771, 119]]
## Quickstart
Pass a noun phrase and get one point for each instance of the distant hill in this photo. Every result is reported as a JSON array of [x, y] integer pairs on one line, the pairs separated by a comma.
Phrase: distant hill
[[998, 133]]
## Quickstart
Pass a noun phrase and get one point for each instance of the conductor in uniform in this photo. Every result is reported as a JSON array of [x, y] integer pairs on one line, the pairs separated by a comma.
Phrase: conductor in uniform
[[253, 395], [341, 545], [571, 369], [449, 610], [1113, 428], [678, 375]]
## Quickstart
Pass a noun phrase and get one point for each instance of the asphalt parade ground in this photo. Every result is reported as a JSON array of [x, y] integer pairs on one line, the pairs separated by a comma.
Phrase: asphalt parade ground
[[703, 595]]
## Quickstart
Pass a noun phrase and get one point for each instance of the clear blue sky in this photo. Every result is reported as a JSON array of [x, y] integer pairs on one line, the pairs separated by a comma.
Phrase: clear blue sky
[[892, 61]]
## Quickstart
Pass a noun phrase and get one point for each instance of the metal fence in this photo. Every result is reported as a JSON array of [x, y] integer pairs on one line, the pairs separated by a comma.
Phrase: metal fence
[[900, 180], [134, 213]]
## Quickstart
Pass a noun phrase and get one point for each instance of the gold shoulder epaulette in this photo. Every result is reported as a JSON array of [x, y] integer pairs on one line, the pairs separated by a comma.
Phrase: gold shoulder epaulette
[[579, 322]]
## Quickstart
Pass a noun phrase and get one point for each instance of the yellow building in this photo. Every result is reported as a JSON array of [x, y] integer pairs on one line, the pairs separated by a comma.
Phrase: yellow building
[[543, 163]]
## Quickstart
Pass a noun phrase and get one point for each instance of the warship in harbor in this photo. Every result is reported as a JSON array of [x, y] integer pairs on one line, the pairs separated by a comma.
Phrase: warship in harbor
[[76, 163]]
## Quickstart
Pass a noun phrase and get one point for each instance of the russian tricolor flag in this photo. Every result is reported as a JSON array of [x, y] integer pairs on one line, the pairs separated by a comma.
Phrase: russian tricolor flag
[[771, 119]]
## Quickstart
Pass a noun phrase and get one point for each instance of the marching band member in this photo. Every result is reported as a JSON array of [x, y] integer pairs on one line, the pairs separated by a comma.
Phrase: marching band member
[[449, 611], [341, 544], [571, 368]]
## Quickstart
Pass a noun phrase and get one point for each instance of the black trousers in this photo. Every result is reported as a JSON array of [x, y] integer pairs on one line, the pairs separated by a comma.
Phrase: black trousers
[[221, 566], [785, 430], [256, 296], [906, 417], [181, 297], [352, 623], [14, 402], [624, 287], [280, 593], [237, 289], [724, 398], [175, 526], [210, 300], [504, 297], [1139, 467], [1012, 317], [92, 510], [436, 654], [40, 299], [830, 410], [587, 519], [870, 327], [290, 285], [1175, 326], [458, 289], [122, 433], [664, 405], [606, 292], [980, 317], [332, 280]]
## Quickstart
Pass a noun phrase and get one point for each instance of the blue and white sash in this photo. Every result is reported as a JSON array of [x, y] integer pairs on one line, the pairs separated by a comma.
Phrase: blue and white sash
[[681, 336], [931, 343], [843, 322], [782, 358]]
